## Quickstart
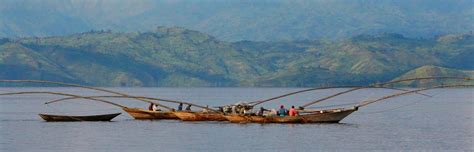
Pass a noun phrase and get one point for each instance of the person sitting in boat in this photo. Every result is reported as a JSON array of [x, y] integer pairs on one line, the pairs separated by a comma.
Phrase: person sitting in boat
[[151, 107], [188, 108], [293, 111], [261, 111], [180, 107], [155, 108], [205, 109], [234, 109], [273, 112], [247, 112], [282, 112], [227, 109]]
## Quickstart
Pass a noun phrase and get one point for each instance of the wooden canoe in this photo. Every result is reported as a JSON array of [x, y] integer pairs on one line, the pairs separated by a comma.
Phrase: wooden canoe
[[105, 117], [234, 118], [261, 119], [139, 113], [199, 116], [327, 116], [319, 116]]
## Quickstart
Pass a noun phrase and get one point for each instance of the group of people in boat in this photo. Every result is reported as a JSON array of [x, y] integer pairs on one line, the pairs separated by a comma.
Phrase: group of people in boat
[[280, 112], [180, 107], [284, 112], [154, 107], [242, 109]]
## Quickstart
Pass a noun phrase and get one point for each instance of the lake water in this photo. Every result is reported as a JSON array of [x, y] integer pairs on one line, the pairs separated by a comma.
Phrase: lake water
[[414, 122]]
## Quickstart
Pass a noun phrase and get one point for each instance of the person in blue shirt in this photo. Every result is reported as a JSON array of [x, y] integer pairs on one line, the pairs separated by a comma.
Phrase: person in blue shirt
[[180, 107], [188, 108], [282, 112]]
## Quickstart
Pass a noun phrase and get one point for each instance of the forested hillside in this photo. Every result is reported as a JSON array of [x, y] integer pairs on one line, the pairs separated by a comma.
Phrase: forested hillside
[[181, 57]]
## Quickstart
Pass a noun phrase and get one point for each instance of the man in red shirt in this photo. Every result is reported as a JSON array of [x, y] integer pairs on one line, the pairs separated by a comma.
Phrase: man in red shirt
[[293, 111]]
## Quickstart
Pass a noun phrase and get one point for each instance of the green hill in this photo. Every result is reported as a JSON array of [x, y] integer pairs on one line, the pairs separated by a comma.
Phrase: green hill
[[181, 57], [435, 71]]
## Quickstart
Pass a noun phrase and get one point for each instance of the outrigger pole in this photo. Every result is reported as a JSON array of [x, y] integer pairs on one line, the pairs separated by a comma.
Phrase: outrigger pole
[[387, 83], [63, 94], [133, 97], [80, 86], [97, 98], [347, 91], [365, 103], [377, 85]]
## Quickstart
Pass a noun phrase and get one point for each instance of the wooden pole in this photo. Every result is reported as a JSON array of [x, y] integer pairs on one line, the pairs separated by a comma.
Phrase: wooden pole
[[63, 94], [365, 103], [80, 86], [351, 90], [137, 97], [377, 85]]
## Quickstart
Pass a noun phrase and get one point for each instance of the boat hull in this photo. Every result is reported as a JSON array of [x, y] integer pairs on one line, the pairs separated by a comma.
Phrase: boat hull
[[262, 119], [237, 118], [105, 117], [138, 113], [327, 116], [199, 116]]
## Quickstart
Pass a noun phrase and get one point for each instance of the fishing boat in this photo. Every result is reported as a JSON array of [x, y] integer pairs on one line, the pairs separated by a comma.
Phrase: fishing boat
[[104, 117], [139, 113], [326, 116], [199, 116], [315, 116]]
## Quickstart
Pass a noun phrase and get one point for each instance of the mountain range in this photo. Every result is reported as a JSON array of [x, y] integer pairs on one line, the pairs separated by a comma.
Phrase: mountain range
[[174, 56]]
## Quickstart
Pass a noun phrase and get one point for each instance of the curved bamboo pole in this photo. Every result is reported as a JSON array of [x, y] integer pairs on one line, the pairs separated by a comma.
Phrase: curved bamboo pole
[[105, 101], [63, 94], [138, 97], [296, 92], [424, 78], [351, 90], [365, 103], [79, 86], [377, 85]]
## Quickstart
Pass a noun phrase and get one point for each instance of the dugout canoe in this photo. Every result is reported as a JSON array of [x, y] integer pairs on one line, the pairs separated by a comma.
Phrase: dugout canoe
[[316, 116], [199, 116], [104, 117], [142, 114], [327, 116], [262, 119], [234, 118]]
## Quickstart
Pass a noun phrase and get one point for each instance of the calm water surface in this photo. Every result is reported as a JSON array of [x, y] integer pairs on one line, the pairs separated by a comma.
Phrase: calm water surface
[[415, 122]]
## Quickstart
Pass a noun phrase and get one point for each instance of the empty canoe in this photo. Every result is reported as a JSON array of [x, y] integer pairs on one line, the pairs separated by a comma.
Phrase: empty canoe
[[105, 117]]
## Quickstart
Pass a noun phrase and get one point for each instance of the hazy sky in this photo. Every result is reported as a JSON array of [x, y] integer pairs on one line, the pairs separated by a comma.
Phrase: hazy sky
[[237, 20]]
